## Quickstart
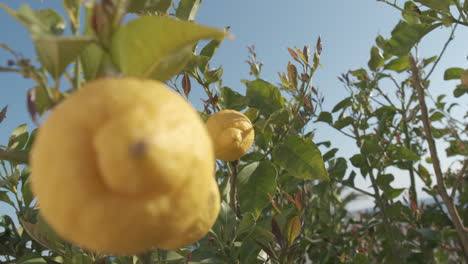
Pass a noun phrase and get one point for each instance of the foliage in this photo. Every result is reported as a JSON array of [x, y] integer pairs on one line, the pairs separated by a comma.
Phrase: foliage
[[285, 201]]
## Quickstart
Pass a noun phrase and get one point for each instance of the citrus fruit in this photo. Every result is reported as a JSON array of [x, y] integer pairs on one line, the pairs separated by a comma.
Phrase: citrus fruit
[[232, 134], [123, 165]]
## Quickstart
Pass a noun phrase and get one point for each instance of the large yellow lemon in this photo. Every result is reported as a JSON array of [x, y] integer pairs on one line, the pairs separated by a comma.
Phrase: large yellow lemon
[[232, 134], [124, 165]]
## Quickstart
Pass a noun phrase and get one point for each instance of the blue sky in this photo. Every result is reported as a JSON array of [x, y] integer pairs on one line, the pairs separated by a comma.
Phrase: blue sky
[[347, 27]]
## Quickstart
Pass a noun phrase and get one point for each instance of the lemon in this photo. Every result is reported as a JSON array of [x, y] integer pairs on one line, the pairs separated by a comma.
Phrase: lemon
[[124, 165], [232, 134]]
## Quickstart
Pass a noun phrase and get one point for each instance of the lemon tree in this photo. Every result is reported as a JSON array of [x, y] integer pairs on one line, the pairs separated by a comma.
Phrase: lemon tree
[[135, 171], [119, 167]]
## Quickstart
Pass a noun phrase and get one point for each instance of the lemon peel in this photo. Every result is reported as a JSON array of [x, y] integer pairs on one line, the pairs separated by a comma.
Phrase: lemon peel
[[232, 134], [116, 169]]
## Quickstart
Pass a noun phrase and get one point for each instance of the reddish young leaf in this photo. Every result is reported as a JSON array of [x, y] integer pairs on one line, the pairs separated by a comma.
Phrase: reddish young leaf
[[293, 54], [299, 202], [3, 113], [301, 55], [306, 52], [31, 104], [186, 85], [276, 230], [307, 103], [290, 198], [293, 229], [292, 74], [318, 46]]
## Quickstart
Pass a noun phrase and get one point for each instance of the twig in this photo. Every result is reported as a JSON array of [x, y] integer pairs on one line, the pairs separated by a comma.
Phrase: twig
[[459, 179], [452, 33], [355, 188], [441, 188]]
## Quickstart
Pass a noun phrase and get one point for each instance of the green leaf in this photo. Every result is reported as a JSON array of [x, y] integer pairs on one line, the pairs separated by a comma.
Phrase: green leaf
[[338, 167], [19, 137], [460, 90], [301, 158], [92, 55], [399, 64], [26, 192], [42, 100], [206, 53], [246, 225], [252, 114], [403, 153], [226, 220], [358, 161], [214, 75], [453, 73], [231, 99], [42, 233], [32, 259], [157, 47], [210, 48], [325, 117], [424, 173], [149, 6], [5, 198], [264, 96], [293, 229], [342, 104], [279, 117], [405, 35], [187, 9], [436, 116], [429, 60], [376, 59], [441, 5], [330, 154], [370, 146], [384, 181], [45, 21], [343, 122], [256, 181], [56, 53], [393, 193]]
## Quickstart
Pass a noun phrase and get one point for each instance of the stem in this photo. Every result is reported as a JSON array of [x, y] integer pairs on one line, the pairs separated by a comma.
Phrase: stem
[[146, 258], [413, 195], [459, 179], [383, 206], [451, 37], [5, 69], [233, 190], [355, 188], [455, 217]]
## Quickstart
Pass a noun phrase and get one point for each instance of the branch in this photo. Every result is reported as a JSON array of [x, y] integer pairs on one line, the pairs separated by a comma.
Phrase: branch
[[233, 190], [355, 188], [442, 190], [18, 156]]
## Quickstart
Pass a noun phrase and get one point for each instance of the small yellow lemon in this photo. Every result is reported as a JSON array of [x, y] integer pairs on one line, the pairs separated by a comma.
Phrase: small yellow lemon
[[232, 134], [124, 165]]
